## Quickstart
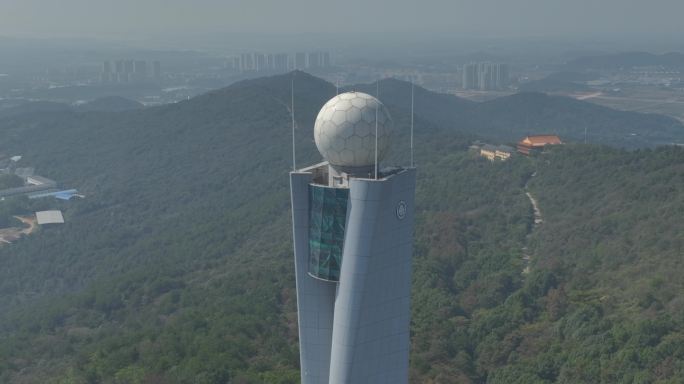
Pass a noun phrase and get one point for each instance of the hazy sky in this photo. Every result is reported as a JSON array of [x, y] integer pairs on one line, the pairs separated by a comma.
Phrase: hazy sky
[[469, 18]]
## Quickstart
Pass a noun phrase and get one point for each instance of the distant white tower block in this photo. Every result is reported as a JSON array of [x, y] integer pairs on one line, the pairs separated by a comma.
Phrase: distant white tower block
[[353, 243]]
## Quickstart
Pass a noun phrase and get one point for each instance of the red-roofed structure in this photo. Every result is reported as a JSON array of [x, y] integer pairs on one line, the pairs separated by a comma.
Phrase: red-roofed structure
[[532, 144]]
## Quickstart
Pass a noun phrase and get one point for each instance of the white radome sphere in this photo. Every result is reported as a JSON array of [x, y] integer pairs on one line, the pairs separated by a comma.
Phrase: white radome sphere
[[345, 130]]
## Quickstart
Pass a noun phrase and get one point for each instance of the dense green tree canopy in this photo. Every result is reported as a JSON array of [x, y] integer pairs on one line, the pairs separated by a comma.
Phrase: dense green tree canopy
[[177, 266]]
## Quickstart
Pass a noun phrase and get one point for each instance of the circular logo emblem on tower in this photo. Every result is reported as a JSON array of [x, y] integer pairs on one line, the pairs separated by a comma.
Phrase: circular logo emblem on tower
[[401, 210]]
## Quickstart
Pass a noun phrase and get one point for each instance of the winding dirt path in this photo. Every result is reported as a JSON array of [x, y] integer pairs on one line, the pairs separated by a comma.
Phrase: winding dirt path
[[8, 235], [30, 221], [538, 220]]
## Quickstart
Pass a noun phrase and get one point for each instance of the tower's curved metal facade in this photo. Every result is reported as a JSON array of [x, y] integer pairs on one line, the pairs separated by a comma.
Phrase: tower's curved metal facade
[[353, 243]]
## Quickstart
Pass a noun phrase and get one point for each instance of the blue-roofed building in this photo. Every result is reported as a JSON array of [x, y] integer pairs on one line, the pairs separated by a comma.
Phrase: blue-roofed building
[[62, 195]]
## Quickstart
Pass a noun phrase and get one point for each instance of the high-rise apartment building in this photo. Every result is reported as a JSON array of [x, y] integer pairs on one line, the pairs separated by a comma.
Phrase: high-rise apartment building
[[300, 60], [485, 76]]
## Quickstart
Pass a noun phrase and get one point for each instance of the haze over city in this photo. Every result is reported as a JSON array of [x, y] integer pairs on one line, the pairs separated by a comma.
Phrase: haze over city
[[132, 19]]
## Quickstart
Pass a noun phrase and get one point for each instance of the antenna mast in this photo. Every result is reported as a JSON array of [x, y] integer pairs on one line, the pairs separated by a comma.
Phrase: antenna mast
[[412, 105], [292, 112], [377, 93]]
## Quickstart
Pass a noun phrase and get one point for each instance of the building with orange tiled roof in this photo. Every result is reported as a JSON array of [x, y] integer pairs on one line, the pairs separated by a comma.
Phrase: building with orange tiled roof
[[532, 144]]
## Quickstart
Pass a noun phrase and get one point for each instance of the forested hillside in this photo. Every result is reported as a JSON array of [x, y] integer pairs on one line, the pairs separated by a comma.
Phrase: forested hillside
[[177, 267], [603, 301]]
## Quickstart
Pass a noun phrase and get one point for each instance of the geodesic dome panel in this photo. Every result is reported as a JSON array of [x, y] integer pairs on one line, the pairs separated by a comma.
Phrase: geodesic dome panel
[[345, 130]]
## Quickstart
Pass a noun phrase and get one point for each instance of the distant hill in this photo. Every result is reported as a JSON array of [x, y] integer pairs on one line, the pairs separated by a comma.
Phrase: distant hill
[[504, 119], [628, 60], [10, 108], [534, 113], [24, 107], [559, 82], [109, 104], [513, 117], [177, 266]]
